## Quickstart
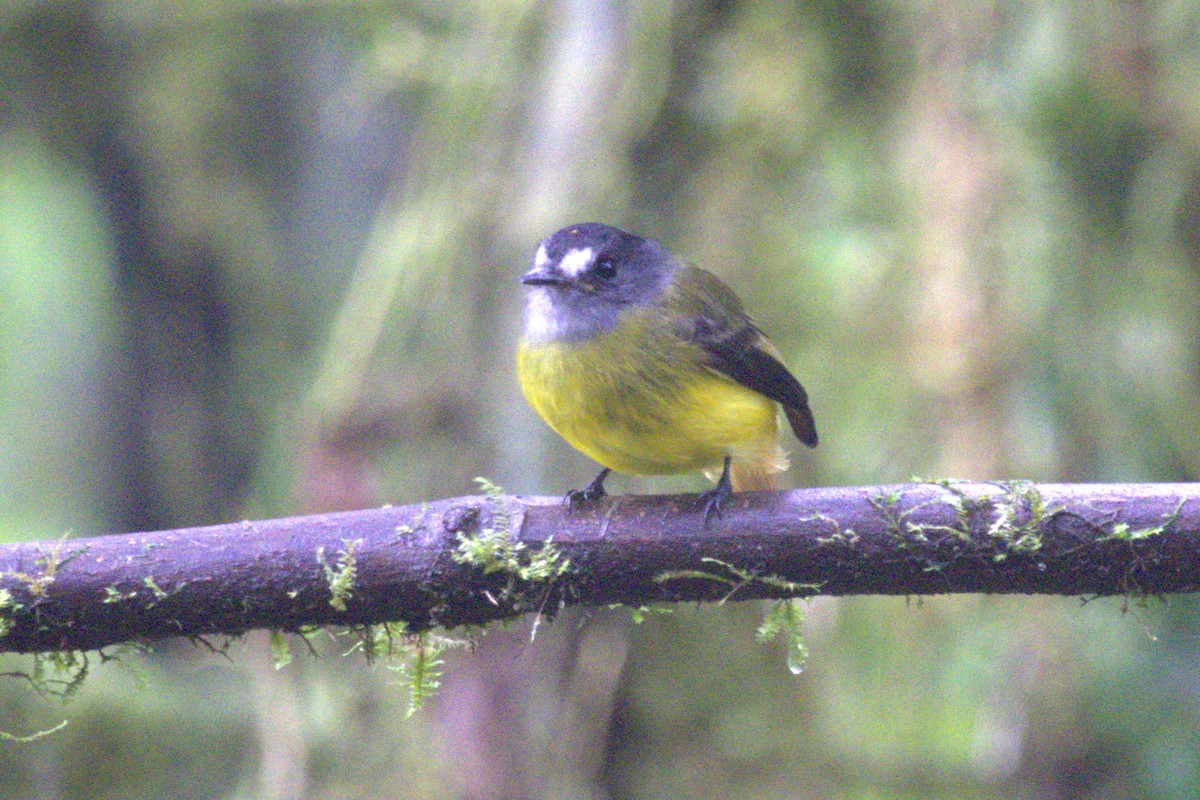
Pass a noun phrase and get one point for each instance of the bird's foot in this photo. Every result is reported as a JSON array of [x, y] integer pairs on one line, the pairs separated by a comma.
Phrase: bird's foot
[[593, 491], [715, 497], [713, 500]]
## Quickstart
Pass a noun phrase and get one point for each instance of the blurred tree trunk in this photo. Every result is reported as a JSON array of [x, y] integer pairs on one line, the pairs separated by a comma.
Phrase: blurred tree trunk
[[531, 722], [960, 342]]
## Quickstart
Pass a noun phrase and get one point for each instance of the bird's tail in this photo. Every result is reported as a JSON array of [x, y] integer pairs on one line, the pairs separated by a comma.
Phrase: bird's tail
[[753, 476]]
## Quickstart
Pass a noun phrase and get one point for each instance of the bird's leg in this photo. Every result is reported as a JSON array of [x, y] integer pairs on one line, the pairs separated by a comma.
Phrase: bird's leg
[[593, 491], [715, 497]]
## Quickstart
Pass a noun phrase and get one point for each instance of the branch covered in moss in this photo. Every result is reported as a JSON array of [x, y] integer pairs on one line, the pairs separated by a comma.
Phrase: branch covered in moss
[[472, 560]]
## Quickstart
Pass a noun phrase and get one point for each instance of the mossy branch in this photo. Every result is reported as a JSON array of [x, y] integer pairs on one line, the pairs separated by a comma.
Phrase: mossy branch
[[408, 564]]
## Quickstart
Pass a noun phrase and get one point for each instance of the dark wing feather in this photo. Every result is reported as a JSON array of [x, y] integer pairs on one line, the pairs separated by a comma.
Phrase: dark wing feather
[[734, 347], [748, 358]]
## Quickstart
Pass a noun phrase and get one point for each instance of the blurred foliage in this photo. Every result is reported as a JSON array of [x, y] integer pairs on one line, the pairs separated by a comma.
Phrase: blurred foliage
[[259, 259]]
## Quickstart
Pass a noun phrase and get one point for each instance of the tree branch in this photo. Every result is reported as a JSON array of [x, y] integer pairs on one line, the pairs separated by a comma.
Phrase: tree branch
[[365, 567]]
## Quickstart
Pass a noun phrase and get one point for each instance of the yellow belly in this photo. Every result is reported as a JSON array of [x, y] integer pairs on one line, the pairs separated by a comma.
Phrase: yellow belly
[[647, 409]]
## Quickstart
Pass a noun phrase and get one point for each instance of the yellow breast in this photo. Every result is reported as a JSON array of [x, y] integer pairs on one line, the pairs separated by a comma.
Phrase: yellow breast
[[643, 403]]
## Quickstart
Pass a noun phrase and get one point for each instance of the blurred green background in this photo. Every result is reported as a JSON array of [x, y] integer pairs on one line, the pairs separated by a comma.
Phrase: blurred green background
[[260, 258]]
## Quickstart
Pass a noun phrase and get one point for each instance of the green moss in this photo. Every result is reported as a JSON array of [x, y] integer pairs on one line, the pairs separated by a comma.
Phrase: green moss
[[839, 536], [32, 737], [158, 592], [49, 564], [57, 673], [783, 617], [416, 658], [420, 668], [496, 550], [1123, 533], [113, 595], [341, 575], [786, 618], [418, 523], [281, 651], [905, 531], [736, 579], [642, 613], [1017, 500], [7, 605]]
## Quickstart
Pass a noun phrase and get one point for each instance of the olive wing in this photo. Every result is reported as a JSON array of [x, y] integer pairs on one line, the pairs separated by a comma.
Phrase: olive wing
[[735, 347]]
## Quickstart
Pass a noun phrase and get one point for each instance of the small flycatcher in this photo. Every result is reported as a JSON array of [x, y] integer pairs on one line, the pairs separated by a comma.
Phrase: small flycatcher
[[651, 366]]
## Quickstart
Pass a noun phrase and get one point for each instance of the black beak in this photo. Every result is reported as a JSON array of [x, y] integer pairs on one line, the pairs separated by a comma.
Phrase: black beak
[[542, 276]]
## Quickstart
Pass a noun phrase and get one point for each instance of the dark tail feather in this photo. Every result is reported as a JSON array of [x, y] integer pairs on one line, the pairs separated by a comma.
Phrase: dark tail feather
[[801, 420]]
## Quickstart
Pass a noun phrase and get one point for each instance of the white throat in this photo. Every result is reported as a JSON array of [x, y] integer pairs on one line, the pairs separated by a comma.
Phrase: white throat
[[540, 323]]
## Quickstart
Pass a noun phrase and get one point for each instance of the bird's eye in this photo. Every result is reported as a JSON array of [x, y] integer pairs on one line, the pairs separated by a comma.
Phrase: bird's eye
[[604, 268]]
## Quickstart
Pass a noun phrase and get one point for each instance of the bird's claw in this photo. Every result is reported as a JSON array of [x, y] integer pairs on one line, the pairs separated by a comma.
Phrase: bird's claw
[[713, 500], [715, 497], [593, 491]]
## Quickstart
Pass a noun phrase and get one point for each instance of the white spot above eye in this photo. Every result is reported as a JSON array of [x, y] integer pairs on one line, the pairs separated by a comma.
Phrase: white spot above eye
[[576, 261], [541, 258]]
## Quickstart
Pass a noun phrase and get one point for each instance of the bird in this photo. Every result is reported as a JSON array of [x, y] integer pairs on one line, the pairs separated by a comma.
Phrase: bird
[[651, 366]]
